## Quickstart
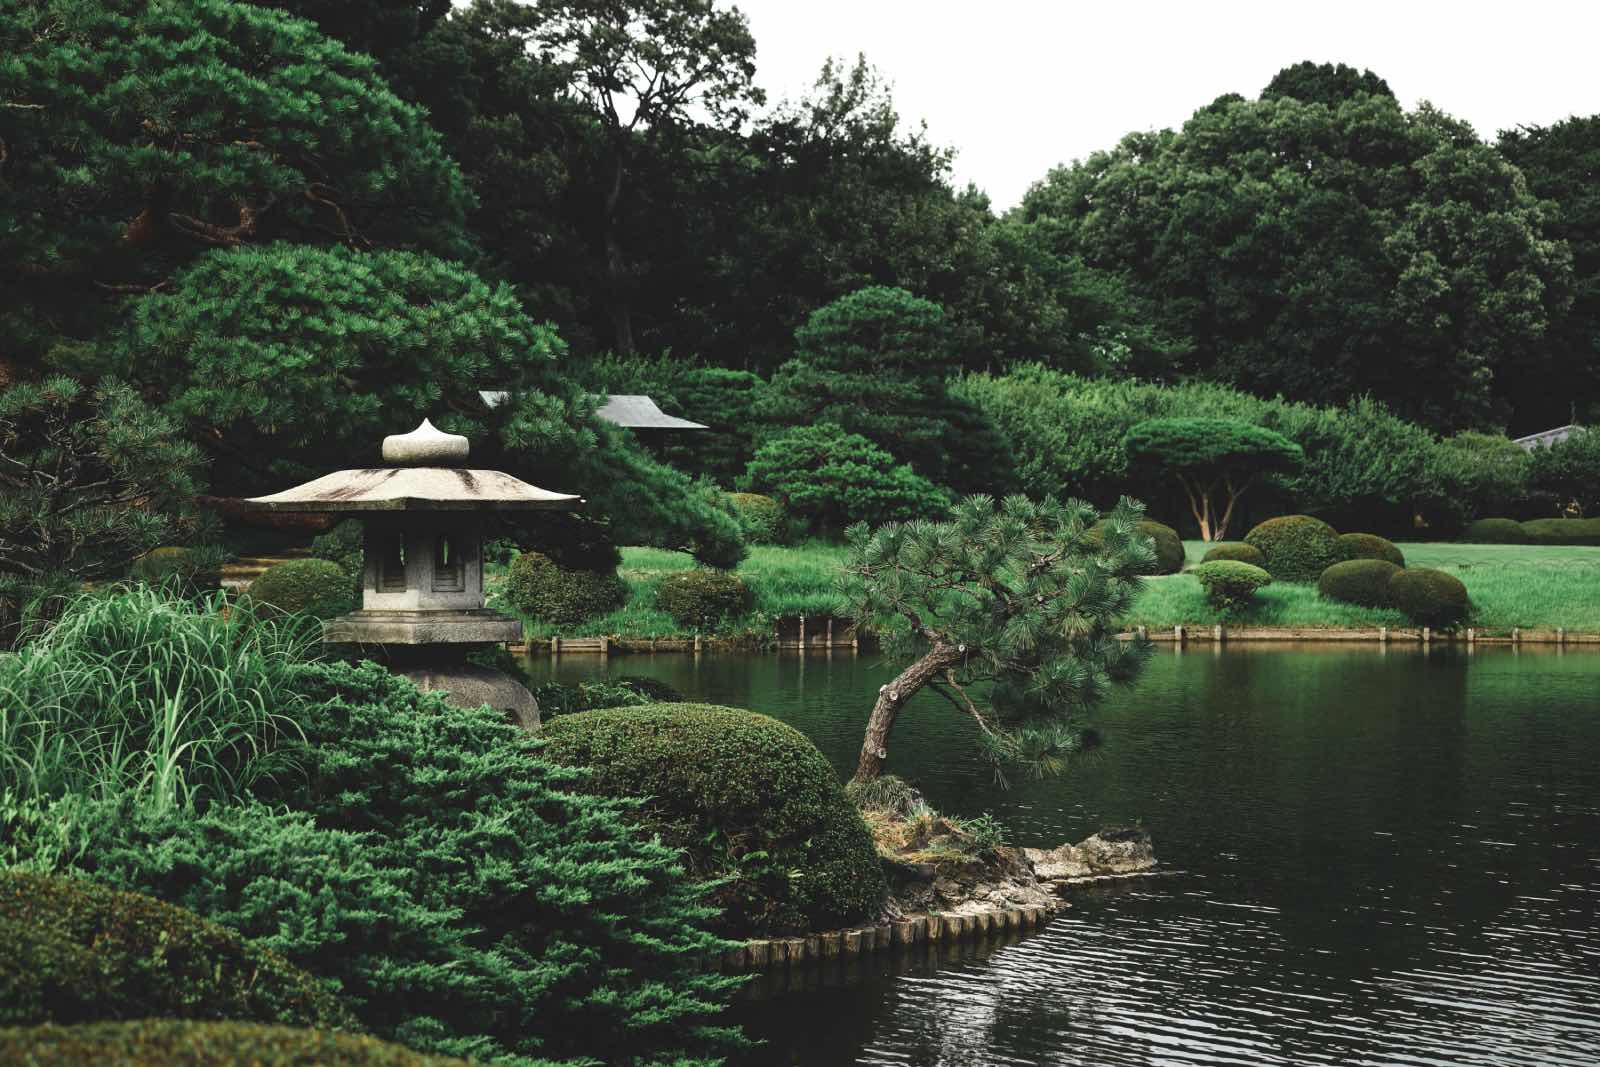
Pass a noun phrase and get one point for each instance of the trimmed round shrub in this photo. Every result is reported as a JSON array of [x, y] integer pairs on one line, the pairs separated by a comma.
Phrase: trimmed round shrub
[[72, 951], [315, 587], [1166, 542], [1359, 581], [179, 1043], [538, 587], [1430, 597], [829, 479], [1230, 584], [1561, 531], [193, 571], [1494, 532], [1370, 546], [761, 517], [703, 598], [344, 545], [1237, 551], [1296, 548], [749, 799]]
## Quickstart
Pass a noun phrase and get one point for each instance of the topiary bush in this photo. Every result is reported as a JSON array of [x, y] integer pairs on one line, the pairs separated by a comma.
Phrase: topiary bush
[[1296, 548], [315, 587], [1231, 584], [178, 1043], [1430, 597], [538, 587], [761, 518], [1370, 546], [1164, 539], [192, 570], [72, 951], [1359, 581], [1561, 532], [703, 598], [749, 799], [1494, 532], [1236, 551], [344, 545]]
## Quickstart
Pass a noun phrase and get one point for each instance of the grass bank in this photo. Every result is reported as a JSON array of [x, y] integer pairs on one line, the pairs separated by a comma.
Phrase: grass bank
[[1510, 585]]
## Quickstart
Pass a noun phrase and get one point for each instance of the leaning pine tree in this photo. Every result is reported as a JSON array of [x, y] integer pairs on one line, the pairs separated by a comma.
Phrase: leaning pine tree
[[1011, 613]]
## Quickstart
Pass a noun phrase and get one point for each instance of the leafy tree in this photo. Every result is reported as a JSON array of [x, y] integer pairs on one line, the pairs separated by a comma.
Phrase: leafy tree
[[1569, 472], [1324, 83], [1018, 597], [1208, 456], [829, 479], [137, 135]]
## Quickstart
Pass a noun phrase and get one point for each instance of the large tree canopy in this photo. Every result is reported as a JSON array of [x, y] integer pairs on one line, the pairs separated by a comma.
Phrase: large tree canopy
[[1215, 460], [1325, 249]]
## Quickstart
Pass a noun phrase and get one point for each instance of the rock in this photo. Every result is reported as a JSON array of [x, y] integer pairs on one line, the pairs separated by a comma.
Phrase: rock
[[1109, 853], [468, 686]]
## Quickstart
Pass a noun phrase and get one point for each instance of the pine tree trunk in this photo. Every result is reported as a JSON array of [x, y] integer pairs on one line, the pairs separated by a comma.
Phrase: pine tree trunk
[[893, 697]]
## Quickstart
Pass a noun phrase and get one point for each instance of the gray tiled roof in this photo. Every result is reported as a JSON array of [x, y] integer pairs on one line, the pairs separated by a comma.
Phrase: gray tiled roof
[[632, 410]]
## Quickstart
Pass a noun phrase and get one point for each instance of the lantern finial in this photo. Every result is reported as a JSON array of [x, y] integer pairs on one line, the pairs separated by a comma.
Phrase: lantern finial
[[426, 446]]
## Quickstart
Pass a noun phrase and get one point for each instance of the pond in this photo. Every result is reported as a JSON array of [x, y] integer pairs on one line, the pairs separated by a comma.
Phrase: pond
[[1375, 856]]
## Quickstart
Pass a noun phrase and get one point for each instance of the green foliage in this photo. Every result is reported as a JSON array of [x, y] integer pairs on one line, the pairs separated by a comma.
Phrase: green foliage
[[1231, 585], [760, 516], [176, 1043], [1430, 597], [1362, 580], [79, 952], [1234, 550], [1297, 548], [189, 569], [828, 479], [1023, 596], [1211, 456], [1324, 83], [1495, 532], [319, 588], [158, 701], [138, 135], [702, 598], [89, 480], [1561, 532], [1370, 546], [1474, 474], [537, 587], [750, 799], [345, 545], [1169, 555], [1569, 471], [560, 698]]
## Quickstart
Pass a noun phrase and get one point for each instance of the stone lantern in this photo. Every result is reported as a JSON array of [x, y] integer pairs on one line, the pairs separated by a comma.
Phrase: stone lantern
[[422, 607]]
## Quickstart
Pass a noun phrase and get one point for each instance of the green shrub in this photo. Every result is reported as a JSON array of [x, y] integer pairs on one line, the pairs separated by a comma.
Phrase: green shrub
[[1237, 551], [749, 798], [1370, 546], [1297, 548], [175, 1043], [1561, 532], [1164, 539], [1430, 597], [344, 545], [314, 587], [72, 951], [537, 587], [1359, 581], [1568, 472], [1494, 532], [703, 598], [1231, 584], [190, 569], [761, 518], [561, 698], [830, 479]]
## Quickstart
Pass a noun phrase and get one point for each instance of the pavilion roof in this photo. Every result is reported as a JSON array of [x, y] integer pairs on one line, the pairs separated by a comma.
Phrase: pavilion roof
[[633, 410]]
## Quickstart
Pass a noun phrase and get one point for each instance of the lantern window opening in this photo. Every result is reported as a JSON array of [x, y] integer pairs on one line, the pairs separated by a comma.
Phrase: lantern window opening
[[449, 564]]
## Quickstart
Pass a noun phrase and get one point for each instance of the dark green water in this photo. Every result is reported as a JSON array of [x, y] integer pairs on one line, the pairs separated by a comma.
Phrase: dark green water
[[1380, 858]]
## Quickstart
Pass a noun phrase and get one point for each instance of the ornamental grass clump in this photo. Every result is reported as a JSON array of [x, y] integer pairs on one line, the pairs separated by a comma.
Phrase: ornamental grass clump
[[1359, 581], [1370, 546], [1430, 597], [1297, 548], [1231, 585]]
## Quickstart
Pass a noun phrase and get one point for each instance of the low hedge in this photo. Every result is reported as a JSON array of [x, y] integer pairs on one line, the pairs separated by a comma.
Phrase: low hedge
[[202, 1044], [703, 597], [1370, 546], [72, 951], [1168, 545], [1561, 532], [761, 518], [316, 587], [542, 589], [1297, 548], [1430, 597], [1359, 581], [1494, 532], [1234, 551], [1230, 584], [751, 801]]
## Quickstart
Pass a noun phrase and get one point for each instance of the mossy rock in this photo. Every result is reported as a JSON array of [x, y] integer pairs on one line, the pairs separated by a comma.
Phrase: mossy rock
[[72, 951], [1494, 532], [761, 518], [193, 571], [749, 799], [1561, 532], [1296, 548], [1430, 597], [1359, 581], [182, 1043], [1230, 584], [316, 587], [1370, 546], [1236, 552], [703, 598], [1170, 556], [542, 589]]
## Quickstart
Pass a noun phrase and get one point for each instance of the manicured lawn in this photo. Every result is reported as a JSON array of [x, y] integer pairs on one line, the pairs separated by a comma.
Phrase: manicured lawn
[[1511, 585]]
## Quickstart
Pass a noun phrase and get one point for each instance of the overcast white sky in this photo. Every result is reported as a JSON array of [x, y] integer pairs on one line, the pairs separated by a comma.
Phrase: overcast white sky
[[1017, 86]]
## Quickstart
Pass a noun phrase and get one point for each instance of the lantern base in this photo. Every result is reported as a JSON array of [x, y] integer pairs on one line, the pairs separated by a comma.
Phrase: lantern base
[[436, 627]]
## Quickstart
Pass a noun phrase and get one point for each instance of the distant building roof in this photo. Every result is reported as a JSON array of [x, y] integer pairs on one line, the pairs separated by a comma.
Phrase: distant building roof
[[1546, 438], [621, 409]]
